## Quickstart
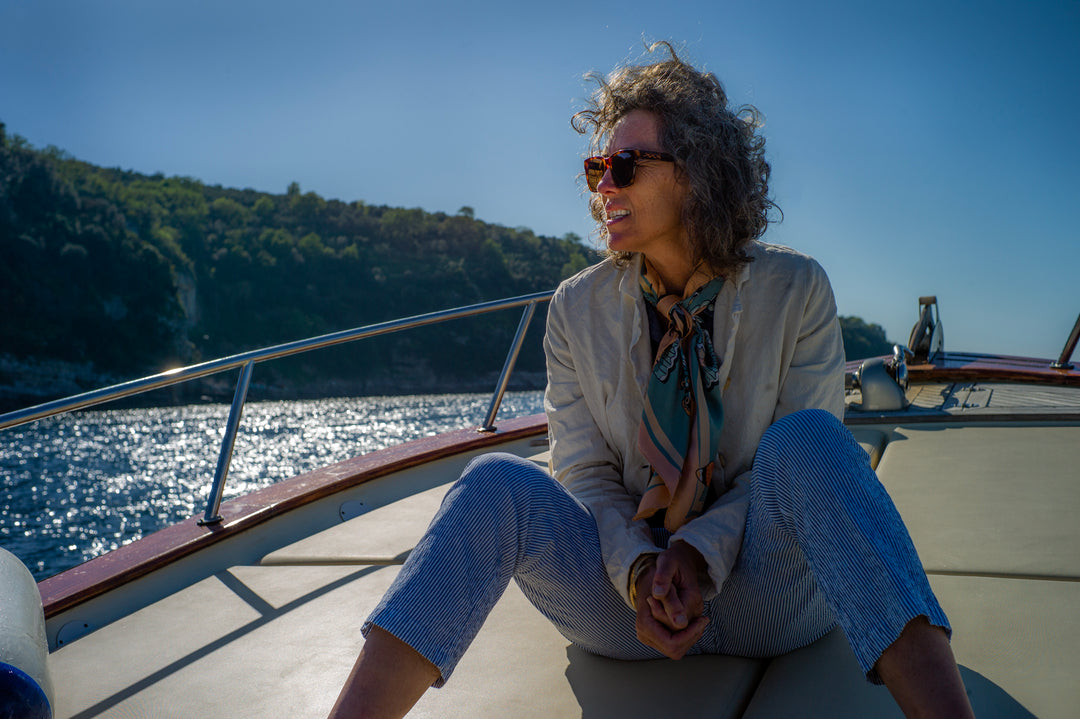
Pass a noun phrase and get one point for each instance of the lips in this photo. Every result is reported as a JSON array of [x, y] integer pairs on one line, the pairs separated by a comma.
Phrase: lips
[[614, 215]]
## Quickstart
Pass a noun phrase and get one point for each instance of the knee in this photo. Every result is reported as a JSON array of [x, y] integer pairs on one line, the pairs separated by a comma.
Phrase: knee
[[802, 428], [806, 446], [501, 475], [498, 467], [812, 432]]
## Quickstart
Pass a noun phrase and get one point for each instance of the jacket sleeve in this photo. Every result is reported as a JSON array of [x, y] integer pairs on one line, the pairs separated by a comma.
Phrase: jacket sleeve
[[583, 459], [812, 375]]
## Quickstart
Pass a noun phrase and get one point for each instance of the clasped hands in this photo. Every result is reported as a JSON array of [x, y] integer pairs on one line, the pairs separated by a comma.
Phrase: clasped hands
[[669, 603]]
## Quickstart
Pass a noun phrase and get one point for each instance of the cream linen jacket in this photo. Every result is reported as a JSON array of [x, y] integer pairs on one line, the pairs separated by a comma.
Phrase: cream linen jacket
[[778, 339]]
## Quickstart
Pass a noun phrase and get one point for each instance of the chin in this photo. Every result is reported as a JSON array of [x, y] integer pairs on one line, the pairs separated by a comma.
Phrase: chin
[[616, 244]]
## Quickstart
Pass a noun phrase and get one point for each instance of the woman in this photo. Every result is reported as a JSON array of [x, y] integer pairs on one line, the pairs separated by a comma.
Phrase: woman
[[708, 498]]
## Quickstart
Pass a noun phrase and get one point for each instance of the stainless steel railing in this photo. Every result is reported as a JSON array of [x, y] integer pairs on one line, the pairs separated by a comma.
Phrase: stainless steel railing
[[247, 360], [1067, 351]]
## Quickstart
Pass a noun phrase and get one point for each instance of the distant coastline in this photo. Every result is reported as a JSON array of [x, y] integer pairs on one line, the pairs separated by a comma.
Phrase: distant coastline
[[28, 382]]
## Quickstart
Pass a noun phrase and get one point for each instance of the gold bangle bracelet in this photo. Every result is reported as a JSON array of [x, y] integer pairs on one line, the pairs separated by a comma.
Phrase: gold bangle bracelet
[[640, 565]]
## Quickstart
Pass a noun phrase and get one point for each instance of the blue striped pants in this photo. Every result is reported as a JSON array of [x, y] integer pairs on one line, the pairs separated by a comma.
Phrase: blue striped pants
[[823, 544]]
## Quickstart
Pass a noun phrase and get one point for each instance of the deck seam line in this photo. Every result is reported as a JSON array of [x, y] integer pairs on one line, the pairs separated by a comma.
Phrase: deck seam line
[[1000, 575]]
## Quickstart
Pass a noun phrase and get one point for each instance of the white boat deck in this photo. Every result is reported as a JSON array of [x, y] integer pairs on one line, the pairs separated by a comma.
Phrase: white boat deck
[[992, 510]]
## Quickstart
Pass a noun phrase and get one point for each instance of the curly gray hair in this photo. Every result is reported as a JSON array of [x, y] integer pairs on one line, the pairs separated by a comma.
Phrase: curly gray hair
[[716, 148]]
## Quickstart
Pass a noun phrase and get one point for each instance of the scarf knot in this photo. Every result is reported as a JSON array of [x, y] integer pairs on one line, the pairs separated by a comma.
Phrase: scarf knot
[[680, 319], [680, 426]]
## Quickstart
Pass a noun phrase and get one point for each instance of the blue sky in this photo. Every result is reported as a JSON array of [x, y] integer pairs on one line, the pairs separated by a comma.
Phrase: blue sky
[[917, 148]]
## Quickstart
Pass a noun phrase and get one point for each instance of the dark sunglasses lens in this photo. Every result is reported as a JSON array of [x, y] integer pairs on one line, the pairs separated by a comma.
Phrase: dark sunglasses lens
[[622, 169], [594, 172]]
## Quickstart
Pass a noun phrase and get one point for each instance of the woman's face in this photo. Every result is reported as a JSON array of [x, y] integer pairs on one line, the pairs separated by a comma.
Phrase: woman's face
[[645, 217]]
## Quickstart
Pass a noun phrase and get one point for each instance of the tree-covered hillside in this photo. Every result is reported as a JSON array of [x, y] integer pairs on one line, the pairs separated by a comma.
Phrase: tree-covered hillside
[[134, 273]]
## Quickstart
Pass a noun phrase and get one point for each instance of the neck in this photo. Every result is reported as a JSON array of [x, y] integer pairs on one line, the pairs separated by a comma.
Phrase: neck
[[674, 272]]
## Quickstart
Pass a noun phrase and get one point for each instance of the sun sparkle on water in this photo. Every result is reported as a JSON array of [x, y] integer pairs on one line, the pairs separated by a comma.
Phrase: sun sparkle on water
[[77, 486]]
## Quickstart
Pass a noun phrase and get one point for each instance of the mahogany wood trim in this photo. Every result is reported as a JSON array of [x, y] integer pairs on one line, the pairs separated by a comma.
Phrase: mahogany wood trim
[[993, 372], [131, 561], [961, 367]]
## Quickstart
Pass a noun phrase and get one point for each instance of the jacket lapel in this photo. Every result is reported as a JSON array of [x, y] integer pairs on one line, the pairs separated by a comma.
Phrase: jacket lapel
[[726, 319]]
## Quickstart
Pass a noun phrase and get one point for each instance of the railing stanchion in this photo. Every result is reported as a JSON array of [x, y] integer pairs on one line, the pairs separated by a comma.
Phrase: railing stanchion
[[213, 503], [1067, 351], [508, 367]]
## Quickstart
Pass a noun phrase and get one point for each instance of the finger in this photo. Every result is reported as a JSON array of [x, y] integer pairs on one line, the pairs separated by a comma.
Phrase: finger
[[690, 595], [663, 576], [657, 611], [683, 641], [674, 645], [652, 632], [672, 618], [686, 588], [672, 570], [671, 608]]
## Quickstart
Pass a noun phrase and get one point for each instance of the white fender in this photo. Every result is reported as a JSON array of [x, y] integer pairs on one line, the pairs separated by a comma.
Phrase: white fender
[[25, 687]]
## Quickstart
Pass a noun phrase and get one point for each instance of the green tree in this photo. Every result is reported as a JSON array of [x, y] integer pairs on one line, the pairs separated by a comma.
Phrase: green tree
[[862, 340], [229, 212], [264, 209]]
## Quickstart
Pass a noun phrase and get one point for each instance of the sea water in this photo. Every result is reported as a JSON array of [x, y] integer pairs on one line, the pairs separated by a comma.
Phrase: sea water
[[82, 484]]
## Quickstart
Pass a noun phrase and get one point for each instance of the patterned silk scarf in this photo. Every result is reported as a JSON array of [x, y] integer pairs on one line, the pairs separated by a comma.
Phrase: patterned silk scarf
[[680, 426]]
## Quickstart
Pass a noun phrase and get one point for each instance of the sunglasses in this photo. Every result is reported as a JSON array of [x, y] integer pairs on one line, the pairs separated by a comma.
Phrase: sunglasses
[[622, 165]]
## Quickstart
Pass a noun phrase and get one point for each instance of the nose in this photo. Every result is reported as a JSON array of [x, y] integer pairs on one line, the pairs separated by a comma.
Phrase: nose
[[606, 186]]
